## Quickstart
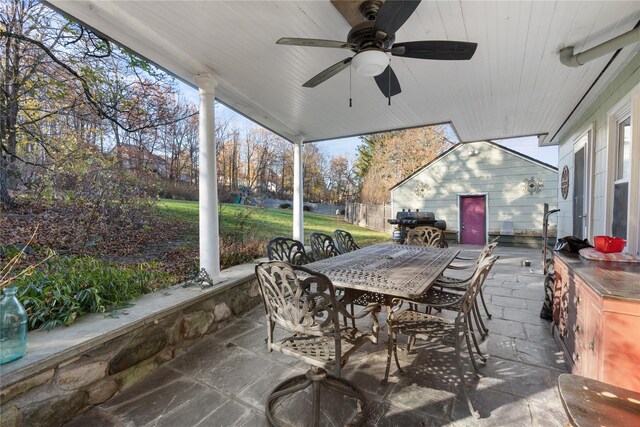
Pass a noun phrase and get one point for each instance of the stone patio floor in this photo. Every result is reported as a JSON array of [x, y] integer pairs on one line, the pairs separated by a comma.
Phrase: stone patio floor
[[224, 380]]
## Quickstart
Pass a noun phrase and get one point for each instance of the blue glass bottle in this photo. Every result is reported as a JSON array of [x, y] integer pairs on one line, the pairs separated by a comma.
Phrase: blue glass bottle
[[13, 327]]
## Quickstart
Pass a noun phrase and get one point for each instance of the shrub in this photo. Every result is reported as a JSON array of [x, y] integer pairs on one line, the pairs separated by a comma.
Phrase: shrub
[[66, 287], [99, 195], [178, 191], [307, 208], [234, 253], [285, 206]]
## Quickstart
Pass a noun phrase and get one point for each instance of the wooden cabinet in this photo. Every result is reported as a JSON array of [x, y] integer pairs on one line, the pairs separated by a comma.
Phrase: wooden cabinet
[[599, 331]]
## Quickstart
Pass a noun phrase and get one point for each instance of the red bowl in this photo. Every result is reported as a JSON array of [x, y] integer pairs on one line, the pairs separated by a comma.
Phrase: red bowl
[[608, 244]]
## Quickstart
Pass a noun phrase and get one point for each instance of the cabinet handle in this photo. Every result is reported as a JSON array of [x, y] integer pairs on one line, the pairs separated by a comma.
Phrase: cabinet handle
[[576, 329], [592, 344], [576, 357], [576, 301]]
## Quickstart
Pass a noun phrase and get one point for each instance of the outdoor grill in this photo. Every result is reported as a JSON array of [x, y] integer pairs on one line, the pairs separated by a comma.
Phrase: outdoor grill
[[406, 220]]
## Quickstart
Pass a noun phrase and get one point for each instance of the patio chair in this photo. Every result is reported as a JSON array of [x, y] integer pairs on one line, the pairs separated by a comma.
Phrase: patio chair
[[322, 246], [425, 236], [443, 300], [289, 250], [304, 303], [344, 241], [412, 322], [461, 284]]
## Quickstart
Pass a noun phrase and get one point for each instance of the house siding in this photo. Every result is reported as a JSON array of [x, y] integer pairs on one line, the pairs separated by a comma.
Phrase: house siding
[[493, 171], [596, 118]]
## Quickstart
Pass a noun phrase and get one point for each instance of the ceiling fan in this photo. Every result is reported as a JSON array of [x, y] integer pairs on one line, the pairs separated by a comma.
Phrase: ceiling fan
[[374, 39]]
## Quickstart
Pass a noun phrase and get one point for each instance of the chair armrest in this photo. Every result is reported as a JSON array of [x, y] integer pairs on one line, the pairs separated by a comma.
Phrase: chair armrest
[[460, 267]]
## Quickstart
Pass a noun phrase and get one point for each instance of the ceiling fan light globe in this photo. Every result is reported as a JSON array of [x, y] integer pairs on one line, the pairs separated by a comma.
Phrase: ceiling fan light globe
[[370, 62]]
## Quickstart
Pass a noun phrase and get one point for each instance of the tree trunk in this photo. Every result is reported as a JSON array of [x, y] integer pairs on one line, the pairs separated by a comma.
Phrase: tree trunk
[[5, 198]]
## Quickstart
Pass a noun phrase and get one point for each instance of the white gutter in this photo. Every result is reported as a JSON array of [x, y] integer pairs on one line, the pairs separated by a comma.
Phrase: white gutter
[[570, 60]]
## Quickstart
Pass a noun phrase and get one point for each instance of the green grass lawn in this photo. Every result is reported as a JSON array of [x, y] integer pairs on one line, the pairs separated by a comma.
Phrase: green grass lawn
[[268, 223]]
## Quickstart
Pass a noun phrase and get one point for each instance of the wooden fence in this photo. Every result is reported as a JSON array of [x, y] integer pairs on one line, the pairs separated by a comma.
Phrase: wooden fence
[[369, 216]]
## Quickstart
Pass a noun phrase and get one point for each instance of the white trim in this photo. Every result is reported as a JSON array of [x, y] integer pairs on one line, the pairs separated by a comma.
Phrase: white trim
[[486, 213], [588, 134], [634, 180], [298, 190], [628, 106]]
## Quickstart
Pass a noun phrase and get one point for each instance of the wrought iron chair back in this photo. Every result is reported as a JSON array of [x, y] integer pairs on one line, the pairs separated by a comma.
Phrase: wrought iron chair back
[[476, 283], [425, 236], [289, 250], [306, 306], [322, 246], [487, 251], [344, 241], [303, 302]]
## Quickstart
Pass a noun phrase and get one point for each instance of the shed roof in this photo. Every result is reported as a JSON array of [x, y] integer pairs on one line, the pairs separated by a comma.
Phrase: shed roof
[[462, 144]]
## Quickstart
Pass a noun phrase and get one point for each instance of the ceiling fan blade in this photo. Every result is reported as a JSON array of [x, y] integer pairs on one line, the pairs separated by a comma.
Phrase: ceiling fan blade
[[391, 16], [328, 73], [292, 41], [388, 82], [435, 49]]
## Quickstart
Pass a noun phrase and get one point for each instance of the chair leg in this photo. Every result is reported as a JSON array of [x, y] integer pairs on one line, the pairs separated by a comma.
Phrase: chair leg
[[475, 341], [288, 386], [474, 312], [316, 403], [395, 353], [484, 304], [390, 344], [411, 342], [471, 356], [342, 386], [353, 321], [481, 327], [316, 378], [465, 391]]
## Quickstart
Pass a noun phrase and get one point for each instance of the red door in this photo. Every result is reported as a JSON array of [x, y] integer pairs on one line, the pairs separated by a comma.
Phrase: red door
[[472, 220]]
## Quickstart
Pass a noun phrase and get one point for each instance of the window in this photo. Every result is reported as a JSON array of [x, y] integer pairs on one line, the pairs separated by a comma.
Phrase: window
[[622, 175], [622, 216]]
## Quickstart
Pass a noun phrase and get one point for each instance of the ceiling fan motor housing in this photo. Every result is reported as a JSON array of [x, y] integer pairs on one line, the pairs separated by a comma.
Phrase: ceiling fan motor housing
[[362, 36]]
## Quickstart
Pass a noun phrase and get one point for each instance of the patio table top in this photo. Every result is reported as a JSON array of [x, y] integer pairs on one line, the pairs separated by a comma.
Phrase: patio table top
[[398, 270]]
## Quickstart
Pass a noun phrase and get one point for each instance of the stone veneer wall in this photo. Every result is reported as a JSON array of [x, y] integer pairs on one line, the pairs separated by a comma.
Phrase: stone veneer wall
[[51, 395]]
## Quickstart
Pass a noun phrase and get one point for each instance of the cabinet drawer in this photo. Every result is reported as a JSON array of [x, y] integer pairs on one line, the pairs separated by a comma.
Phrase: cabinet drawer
[[577, 362]]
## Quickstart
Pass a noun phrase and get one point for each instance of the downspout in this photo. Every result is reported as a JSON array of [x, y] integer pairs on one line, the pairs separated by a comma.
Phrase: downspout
[[568, 58]]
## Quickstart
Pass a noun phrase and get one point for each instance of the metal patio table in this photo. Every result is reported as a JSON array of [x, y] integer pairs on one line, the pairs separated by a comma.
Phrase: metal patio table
[[387, 269]]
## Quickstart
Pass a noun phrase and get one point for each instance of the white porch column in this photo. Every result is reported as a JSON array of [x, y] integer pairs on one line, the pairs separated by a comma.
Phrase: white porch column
[[298, 213], [208, 180]]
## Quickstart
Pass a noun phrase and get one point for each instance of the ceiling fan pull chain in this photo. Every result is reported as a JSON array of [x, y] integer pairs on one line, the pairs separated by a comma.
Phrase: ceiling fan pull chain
[[350, 99], [389, 81]]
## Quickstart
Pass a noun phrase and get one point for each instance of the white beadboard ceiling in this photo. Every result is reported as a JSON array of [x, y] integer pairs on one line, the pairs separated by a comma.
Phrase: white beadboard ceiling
[[513, 86]]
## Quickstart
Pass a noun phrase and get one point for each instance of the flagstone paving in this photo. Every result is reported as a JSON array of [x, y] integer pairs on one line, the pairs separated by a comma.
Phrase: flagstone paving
[[224, 380]]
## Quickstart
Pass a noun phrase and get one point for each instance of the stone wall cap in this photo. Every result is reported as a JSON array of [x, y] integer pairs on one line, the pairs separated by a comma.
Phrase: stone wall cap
[[46, 350]]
